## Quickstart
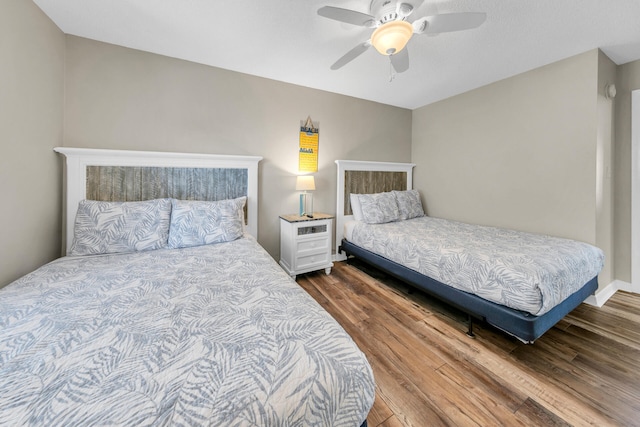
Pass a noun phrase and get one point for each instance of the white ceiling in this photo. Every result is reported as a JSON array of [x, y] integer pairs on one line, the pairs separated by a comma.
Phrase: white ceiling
[[287, 40]]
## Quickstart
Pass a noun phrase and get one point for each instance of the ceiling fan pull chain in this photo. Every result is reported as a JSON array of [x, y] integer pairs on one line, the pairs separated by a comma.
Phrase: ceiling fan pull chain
[[392, 75]]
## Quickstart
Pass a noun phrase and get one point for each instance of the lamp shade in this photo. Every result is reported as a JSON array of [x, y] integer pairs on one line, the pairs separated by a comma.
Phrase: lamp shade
[[392, 37], [305, 183]]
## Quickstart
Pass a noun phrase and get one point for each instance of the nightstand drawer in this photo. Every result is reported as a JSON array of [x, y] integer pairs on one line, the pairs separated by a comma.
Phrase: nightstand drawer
[[312, 230], [314, 245], [315, 260]]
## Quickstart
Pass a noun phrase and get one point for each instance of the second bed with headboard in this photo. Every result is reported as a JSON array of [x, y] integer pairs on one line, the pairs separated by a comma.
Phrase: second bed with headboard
[[166, 310], [521, 283]]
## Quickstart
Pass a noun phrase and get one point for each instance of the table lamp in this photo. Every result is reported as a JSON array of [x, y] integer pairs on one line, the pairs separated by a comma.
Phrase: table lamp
[[306, 183]]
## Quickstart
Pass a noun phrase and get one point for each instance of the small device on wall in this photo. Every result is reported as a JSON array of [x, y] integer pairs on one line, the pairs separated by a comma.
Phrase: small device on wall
[[610, 91], [306, 183]]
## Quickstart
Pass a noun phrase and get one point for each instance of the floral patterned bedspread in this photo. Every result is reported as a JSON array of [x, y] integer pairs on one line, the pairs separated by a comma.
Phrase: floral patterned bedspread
[[524, 271], [212, 335]]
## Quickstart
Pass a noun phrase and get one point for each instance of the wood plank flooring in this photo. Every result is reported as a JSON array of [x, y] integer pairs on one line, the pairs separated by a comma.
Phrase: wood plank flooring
[[584, 371]]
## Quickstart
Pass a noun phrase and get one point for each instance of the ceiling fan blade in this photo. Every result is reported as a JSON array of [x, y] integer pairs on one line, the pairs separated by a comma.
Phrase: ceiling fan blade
[[448, 22], [351, 55], [348, 16], [416, 3], [400, 61]]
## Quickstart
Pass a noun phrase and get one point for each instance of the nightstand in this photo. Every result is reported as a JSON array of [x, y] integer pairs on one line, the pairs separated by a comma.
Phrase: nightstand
[[305, 243]]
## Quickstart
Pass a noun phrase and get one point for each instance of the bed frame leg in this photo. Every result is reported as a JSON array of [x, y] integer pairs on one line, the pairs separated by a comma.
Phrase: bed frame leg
[[470, 330], [342, 251]]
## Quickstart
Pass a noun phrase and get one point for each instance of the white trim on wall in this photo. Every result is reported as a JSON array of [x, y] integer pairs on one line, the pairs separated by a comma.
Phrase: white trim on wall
[[602, 295], [635, 191]]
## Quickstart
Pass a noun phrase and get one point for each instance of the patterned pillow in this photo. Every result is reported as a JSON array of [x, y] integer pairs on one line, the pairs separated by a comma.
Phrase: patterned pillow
[[118, 227], [196, 223], [379, 208], [409, 204]]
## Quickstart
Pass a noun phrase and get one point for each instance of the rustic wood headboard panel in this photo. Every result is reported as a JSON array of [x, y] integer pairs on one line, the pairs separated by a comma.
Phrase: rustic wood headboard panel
[[133, 183]]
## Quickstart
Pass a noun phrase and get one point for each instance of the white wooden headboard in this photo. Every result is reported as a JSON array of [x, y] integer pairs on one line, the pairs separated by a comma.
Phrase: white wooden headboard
[[78, 159], [343, 192]]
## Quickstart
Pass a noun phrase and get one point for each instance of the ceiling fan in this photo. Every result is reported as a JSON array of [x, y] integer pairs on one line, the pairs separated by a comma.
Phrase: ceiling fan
[[393, 31]]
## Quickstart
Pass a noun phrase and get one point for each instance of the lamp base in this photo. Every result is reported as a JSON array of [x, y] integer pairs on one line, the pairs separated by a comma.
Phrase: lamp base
[[306, 205]]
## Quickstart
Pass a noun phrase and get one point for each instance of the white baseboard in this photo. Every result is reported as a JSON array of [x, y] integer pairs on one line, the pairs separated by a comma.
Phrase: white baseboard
[[624, 286], [607, 292], [338, 257]]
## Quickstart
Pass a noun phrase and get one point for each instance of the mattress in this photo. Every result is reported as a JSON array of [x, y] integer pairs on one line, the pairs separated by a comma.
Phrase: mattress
[[523, 271], [209, 335], [348, 229]]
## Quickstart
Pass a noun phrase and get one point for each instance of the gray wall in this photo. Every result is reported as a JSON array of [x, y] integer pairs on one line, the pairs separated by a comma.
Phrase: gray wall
[[524, 153], [121, 98], [628, 80], [31, 109]]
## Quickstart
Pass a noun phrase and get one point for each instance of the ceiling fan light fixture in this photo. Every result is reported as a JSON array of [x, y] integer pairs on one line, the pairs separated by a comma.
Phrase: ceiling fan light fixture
[[391, 37]]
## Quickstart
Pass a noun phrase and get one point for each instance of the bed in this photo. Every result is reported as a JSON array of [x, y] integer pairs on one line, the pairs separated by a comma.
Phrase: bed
[[186, 320], [521, 283]]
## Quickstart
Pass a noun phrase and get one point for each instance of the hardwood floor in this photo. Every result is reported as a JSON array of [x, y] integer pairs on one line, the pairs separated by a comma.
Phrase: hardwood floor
[[584, 371]]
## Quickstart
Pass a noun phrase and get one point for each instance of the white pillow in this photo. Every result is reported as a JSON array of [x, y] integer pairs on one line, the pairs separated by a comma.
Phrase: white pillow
[[119, 227], [379, 208], [356, 209], [409, 204], [196, 223]]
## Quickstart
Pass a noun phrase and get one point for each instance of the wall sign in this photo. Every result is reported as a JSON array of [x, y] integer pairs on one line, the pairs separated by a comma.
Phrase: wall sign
[[308, 153]]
